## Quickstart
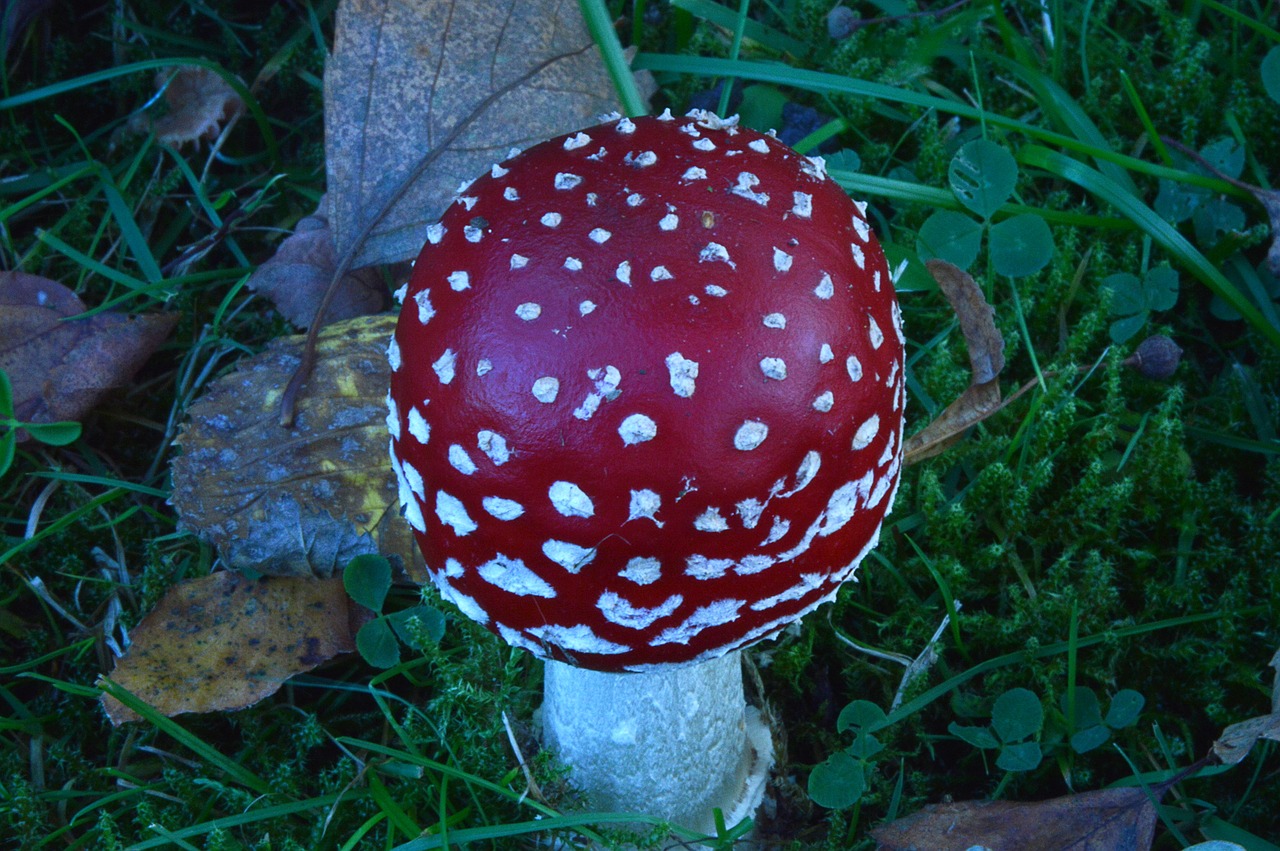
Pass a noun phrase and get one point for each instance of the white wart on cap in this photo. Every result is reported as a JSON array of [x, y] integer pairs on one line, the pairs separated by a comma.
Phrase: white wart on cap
[[663, 419]]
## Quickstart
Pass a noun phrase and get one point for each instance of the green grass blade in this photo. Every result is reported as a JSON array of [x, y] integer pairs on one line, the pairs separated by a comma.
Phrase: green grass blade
[[726, 19], [1151, 224], [89, 263], [129, 230], [600, 25]]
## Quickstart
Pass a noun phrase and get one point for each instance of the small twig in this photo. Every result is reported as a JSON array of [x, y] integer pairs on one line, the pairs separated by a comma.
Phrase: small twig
[[289, 401], [531, 787]]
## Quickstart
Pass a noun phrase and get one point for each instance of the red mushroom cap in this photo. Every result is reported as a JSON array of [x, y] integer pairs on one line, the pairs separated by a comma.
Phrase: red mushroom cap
[[647, 394]]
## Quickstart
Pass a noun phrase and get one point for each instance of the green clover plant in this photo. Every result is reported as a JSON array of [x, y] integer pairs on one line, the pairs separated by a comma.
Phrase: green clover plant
[[1092, 729], [1016, 717], [53, 434], [1133, 298], [1211, 215], [983, 176], [367, 579], [841, 779]]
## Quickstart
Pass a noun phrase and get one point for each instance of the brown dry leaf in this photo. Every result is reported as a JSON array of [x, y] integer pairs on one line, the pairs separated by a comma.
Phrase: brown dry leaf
[[1105, 820], [200, 104], [60, 368], [224, 642], [302, 501], [1238, 739], [443, 89], [980, 399], [297, 277]]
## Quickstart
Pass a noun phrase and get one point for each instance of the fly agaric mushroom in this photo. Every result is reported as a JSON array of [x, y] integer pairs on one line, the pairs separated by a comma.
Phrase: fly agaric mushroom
[[646, 409]]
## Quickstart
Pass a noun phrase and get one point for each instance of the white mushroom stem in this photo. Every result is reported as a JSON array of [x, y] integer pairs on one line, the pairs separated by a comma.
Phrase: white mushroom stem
[[675, 744]]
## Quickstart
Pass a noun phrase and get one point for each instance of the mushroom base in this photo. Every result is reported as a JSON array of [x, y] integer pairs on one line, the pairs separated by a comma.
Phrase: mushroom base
[[674, 744]]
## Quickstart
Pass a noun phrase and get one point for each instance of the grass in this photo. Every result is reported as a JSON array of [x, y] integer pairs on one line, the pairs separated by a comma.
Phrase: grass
[[1104, 531]]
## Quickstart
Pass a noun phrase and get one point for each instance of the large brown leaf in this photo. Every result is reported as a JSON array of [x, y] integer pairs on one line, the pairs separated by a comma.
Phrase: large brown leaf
[[60, 368], [434, 92], [301, 501], [1106, 820], [225, 641]]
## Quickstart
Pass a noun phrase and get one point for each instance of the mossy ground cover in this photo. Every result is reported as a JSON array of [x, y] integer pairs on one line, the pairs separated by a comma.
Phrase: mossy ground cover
[[1106, 533]]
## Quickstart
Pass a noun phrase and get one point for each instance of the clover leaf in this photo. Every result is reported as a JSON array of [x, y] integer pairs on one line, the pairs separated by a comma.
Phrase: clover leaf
[[1133, 298]]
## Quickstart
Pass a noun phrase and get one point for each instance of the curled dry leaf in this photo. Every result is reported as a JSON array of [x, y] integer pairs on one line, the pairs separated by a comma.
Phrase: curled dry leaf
[[981, 398], [296, 278], [224, 642], [301, 501], [425, 96], [1105, 820], [1238, 739], [200, 104], [60, 368]]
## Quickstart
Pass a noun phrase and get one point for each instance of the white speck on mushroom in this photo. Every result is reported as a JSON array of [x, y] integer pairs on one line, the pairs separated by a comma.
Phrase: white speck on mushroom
[[887, 455], [393, 354], [467, 605], [882, 488], [669, 222], [809, 466], [694, 173], [569, 556], [637, 428], [825, 288], [860, 227], [623, 272], [644, 504], [573, 264], [867, 432], [398, 295], [459, 281], [802, 204], [473, 233], [577, 140], [586, 307], [577, 639], [824, 401], [419, 427], [749, 510], [690, 130], [393, 417], [775, 320], [625, 125], [711, 521], [683, 371], [854, 367], [599, 236], [511, 194], [551, 220], [779, 527], [592, 197], [483, 367], [877, 336], [666, 115], [893, 375], [570, 500], [858, 256], [644, 159], [694, 300], [713, 614], [519, 261], [760, 146], [714, 252], [514, 576], [546, 388], [750, 435], [493, 445], [496, 171], [716, 291], [754, 564], [453, 513], [635, 199], [435, 233], [565, 180], [705, 145], [467, 201], [624, 613], [701, 567], [781, 260], [809, 582], [460, 460], [412, 508], [659, 273], [815, 167], [445, 365], [897, 323], [529, 311], [642, 570], [745, 188], [825, 355], [775, 368]]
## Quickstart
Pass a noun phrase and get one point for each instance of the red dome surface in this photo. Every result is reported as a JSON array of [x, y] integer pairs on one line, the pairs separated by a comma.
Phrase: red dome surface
[[647, 394]]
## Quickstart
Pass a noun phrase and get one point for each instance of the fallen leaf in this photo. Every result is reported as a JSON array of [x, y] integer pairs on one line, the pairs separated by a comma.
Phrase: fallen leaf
[[1105, 820], [297, 277], [981, 398], [61, 367], [421, 97], [1238, 739], [302, 501], [224, 642], [200, 104], [1275, 682]]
